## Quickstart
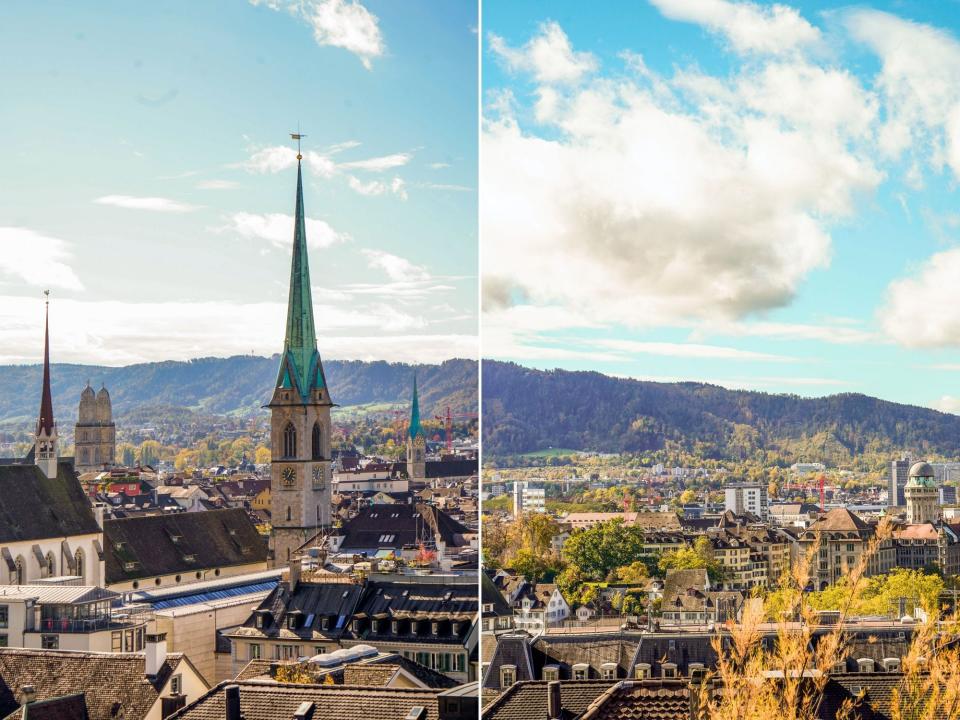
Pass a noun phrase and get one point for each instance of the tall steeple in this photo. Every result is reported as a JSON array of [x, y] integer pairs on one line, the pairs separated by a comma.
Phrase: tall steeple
[[300, 365], [45, 443], [301, 469], [415, 427]]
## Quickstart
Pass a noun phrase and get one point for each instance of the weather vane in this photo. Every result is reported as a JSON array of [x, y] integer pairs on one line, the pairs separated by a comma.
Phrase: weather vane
[[297, 136], [47, 295]]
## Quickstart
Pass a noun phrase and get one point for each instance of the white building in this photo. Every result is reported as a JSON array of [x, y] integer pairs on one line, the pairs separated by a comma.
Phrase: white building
[[528, 497], [743, 498], [807, 467]]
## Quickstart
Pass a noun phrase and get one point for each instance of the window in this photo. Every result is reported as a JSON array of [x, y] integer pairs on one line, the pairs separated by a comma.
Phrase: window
[[116, 642], [176, 684], [4, 642], [51, 566], [289, 441], [50, 642], [18, 572], [319, 650], [255, 650], [608, 671], [81, 569], [669, 670], [581, 671], [508, 675], [288, 514], [317, 442], [4, 616]]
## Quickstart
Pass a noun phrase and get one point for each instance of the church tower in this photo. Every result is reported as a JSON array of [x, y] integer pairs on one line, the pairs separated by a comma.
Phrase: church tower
[[45, 442], [416, 442], [300, 470], [95, 435]]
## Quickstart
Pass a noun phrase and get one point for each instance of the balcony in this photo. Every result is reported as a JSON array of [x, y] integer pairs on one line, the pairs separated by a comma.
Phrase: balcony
[[86, 625]]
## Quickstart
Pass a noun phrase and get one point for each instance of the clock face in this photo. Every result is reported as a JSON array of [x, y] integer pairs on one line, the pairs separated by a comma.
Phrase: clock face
[[317, 473], [288, 475]]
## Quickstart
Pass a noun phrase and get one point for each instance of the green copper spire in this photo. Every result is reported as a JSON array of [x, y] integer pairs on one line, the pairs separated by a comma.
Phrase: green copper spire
[[415, 427], [300, 366]]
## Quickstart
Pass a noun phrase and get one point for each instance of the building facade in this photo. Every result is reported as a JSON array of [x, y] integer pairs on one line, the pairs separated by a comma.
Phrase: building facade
[[744, 498]]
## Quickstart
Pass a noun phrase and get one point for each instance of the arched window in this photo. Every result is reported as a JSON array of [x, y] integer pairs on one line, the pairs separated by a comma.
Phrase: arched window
[[288, 515], [19, 571], [81, 570], [289, 441], [317, 442], [51, 568]]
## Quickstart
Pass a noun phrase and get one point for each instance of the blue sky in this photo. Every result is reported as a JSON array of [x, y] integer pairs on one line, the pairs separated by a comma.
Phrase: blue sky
[[753, 195], [148, 177]]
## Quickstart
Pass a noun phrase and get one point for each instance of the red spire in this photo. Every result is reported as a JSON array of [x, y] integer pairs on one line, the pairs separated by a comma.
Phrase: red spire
[[45, 421]]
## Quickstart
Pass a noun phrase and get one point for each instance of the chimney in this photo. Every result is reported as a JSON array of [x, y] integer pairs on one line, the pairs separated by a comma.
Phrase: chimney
[[231, 695], [155, 653], [554, 707], [696, 687], [29, 694], [295, 567], [99, 509]]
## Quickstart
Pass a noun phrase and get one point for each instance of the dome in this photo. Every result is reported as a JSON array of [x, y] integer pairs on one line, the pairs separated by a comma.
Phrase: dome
[[921, 470]]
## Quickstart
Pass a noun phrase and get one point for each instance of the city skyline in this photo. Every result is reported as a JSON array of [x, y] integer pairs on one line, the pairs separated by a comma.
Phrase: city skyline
[[162, 234], [754, 196]]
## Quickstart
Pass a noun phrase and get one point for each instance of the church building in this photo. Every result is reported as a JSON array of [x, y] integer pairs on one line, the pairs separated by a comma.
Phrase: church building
[[47, 526], [95, 435], [416, 444], [301, 470]]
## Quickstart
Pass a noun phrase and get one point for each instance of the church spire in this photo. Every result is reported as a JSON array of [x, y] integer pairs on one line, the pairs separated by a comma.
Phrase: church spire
[[300, 366], [45, 422], [415, 427]]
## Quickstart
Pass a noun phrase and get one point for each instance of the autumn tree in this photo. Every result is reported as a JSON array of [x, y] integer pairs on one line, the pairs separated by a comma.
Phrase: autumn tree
[[597, 550]]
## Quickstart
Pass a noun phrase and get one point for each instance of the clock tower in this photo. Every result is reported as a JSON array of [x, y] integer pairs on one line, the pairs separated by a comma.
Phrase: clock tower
[[300, 469]]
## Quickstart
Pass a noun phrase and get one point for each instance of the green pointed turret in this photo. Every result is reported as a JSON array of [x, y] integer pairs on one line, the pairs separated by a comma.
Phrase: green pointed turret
[[300, 366], [415, 427]]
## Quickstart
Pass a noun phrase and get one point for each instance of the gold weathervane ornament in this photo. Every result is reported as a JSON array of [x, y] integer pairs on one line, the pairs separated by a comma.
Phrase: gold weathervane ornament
[[297, 136]]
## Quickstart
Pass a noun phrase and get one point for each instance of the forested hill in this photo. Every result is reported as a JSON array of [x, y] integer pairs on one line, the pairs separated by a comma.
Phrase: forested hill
[[528, 410], [239, 384]]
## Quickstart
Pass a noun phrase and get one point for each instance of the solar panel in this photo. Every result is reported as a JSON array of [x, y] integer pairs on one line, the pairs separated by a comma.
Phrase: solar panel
[[213, 595]]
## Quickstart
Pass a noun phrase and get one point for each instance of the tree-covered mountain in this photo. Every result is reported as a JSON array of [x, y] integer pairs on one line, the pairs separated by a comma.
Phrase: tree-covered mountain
[[234, 385], [527, 410]]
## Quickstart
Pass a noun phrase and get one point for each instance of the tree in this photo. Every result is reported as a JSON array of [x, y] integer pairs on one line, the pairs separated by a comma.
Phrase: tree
[[127, 454], [532, 566], [599, 549], [149, 452], [883, 594], [261, 456], [690, 558], [632, 574], [687, 497]]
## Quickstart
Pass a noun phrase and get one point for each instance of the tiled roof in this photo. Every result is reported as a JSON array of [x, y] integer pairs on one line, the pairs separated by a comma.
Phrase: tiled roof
[[642, 700], [33, 507], [840, 520], [393, 525], [528, 700], [105, 678], [147, 546], [67, 707], [324, 610], [260, 701]]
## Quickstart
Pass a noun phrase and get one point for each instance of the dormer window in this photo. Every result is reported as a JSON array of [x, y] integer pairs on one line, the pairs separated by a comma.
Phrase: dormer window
[[435, 628], [608, 671], [395, 627], [508, 675], [641, 671], [668, 670], [551, 672], [581, 671]]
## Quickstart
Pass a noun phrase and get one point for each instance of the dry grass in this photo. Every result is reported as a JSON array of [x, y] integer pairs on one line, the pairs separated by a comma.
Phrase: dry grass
[[786, 681]]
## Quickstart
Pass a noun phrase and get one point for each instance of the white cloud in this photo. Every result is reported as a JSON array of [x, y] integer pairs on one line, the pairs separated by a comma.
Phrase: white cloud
[[277, 158], [548, 56], [277, 229], [217, 185], [119, 333], [749, 27], [154, 204], [687, 350], [835, 333], [377, 187], [923, 309], [919, 83], [439, 165], [378, 164], [344, 24], [651, 201], [397, 268], [947, 404], [36, 259]]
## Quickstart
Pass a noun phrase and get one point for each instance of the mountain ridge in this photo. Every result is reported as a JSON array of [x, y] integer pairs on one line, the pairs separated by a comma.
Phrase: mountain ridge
[[526, 410], [240, 384]]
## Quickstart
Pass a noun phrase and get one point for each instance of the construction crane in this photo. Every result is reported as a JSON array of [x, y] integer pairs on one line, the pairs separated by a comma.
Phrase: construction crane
[[448, 426]]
